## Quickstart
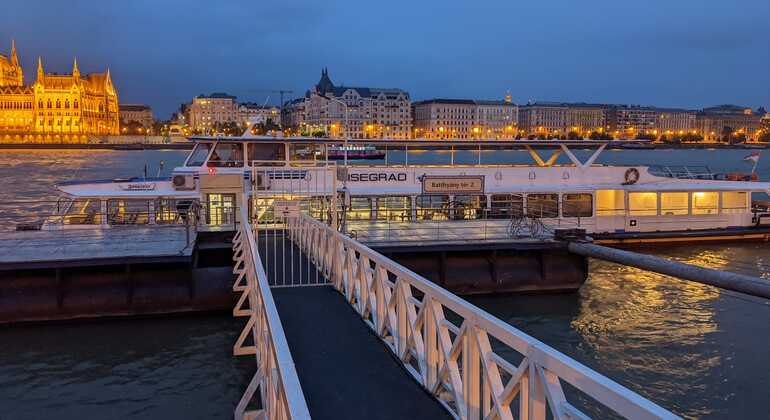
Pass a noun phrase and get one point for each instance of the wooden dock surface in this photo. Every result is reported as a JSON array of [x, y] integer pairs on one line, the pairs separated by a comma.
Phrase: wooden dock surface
[[94, 246]]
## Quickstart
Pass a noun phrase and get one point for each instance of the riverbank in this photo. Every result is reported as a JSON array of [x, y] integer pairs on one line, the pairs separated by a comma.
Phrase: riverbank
[[96, 146], [189, 145]]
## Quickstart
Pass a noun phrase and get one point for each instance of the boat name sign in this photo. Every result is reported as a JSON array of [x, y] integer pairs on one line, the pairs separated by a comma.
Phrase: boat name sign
[[138, 186], [452, 184]]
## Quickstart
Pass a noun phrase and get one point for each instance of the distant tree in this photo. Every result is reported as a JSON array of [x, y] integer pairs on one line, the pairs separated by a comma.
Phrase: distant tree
[[574, 135], [727, 134], [531, 137], [738, 138], [541, 137], [595, 135], [765, 136], [644, 136], [692, 138], [518, 137]]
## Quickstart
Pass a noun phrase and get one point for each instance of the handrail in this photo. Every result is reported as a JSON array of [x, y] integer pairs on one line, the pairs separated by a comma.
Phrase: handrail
[[276, 377], [456, 362]]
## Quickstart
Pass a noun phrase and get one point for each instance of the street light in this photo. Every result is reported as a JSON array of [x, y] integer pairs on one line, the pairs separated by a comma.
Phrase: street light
[[345, 147]]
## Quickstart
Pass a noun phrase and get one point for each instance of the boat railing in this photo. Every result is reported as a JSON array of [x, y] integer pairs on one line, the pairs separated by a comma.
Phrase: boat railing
[[681, 171]]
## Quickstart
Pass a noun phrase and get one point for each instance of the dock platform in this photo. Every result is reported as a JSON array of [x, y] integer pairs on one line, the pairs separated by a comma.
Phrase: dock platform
[[98, 246]]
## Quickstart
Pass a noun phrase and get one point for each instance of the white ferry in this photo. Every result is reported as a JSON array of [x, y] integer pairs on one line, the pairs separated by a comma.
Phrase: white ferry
[[421, 184]]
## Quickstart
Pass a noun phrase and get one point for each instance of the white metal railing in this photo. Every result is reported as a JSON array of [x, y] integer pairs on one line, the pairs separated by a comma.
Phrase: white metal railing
[[276, 378], [446, 342]]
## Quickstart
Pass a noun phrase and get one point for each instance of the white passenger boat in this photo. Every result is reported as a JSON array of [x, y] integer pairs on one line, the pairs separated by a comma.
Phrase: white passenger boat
[[430, 183]]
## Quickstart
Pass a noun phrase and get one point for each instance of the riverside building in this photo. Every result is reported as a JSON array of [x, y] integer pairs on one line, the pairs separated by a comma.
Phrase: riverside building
[[465, 119], [56, 108], [357, 112]]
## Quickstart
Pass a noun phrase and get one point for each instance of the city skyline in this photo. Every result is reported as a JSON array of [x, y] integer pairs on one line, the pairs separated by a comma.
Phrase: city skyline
[[564, 52]]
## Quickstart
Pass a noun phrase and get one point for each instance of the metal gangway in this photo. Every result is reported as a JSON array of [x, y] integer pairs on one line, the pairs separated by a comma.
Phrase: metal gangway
[[321, 307]]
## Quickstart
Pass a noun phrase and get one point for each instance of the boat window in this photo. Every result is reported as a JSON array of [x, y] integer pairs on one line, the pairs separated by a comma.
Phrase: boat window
[[199, 154], [610, 203], [734, 202], [262, 210], [506, 206], [306, 153], [643, 204], [319, 208], [577, 205], [469, 207], [229, 155], [128, 212], [432, 207], [394, 208], [543, 205], [168, 211], [705, 203], [266, 154], [360, 208], [84, 211], [674, 203], [220, 209]]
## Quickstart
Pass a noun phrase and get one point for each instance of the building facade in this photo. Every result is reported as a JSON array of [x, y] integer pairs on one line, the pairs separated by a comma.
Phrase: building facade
[[206, 113], [544, 118], [293, 115], [675, 122], [357, 112], [56, 108], [628, 121], [464, 119], [585, 118], [137, 113], [249, 112], [724, 121]]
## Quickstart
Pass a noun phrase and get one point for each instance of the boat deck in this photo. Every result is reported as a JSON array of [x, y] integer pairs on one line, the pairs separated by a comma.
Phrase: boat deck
[[384, 233], [96, 246]]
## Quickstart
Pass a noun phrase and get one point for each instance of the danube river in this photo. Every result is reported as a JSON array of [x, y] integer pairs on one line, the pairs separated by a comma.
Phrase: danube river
[[693, 349]]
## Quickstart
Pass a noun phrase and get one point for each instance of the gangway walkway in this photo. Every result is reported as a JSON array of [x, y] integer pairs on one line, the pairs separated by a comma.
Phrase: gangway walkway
[[341, 365], [350, 334]]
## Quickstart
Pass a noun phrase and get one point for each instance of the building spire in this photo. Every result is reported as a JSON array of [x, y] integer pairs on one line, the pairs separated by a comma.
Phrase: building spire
[[14, 58], [75, 70], [40, 73]]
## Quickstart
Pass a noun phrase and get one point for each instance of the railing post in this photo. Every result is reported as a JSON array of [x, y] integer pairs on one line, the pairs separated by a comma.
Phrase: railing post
[[471, 373]]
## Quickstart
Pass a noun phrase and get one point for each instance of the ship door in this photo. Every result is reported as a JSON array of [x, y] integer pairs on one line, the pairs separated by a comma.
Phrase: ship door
[[220, 209]]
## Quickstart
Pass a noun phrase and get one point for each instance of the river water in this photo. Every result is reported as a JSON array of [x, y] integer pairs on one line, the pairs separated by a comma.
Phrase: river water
[[696, 350]]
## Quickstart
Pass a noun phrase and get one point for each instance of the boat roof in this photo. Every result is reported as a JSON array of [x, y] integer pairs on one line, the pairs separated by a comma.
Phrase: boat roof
[[416, 142]]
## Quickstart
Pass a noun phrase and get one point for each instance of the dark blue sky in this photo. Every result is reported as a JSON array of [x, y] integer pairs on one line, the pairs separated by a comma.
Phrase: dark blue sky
[[683, 53]]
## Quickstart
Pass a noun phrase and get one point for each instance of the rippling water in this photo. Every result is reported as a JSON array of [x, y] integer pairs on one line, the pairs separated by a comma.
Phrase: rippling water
[[693, 349]]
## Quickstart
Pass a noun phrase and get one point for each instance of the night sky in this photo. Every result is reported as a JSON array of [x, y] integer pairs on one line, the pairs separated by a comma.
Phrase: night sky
[[678, 53]]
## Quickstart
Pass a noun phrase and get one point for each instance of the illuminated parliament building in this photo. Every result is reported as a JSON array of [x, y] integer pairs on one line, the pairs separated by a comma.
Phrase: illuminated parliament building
[[56, 108]]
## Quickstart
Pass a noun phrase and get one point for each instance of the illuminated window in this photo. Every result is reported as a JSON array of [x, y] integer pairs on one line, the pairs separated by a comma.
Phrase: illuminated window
[[506, 206], [543, 205], [469, 207], [642, 204], [360, 208], [128, 212], [394, 208], [610, 203], [705, 203], [577, 205], [674, 203], [432, 207], [734, 202]]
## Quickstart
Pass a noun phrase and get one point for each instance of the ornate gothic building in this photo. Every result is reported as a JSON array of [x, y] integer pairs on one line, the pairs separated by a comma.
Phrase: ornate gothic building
[[56, 107]]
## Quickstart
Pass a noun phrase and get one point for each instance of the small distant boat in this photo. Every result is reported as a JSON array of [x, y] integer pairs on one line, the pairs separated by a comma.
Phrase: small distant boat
[[754, 146], [355, 152], [644, 146]]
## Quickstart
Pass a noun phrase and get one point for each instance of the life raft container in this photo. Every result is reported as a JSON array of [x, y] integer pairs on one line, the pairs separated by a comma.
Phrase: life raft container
[[737, 176]]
